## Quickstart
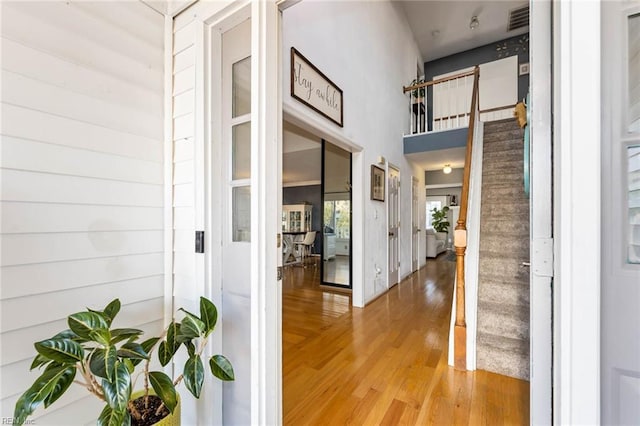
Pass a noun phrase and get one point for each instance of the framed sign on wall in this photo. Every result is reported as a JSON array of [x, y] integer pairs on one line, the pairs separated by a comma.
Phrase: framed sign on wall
[[311, 87]]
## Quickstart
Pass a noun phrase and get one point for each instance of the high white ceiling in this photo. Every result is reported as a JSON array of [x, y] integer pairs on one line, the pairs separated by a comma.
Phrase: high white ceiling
[[441, 28]]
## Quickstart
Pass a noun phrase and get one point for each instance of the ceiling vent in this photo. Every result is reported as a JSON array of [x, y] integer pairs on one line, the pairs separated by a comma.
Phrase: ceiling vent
[[518, 18]]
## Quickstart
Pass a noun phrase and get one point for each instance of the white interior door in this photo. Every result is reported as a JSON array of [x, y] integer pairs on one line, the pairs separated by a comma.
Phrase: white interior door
[[620, 291], [415, 225], [235, 163], [393, 183]]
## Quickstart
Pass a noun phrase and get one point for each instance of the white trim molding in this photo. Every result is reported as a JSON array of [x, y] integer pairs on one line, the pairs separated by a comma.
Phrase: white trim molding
[[577, 212]]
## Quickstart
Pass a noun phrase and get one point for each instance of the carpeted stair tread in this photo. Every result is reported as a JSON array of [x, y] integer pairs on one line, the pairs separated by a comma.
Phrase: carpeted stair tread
[[503, 284], [498, 291], [503, 356], [504, 320]]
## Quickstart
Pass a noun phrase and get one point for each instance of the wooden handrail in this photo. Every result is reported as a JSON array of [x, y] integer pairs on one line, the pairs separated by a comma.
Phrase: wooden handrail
[[440, 80], [500, 108], [460, 239]]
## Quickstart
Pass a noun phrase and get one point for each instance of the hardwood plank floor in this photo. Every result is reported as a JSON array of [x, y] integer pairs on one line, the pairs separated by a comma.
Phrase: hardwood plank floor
[[385, 364]]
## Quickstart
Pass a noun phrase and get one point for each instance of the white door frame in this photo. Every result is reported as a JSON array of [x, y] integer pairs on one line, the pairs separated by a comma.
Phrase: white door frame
[[266, 198], [540, 222], [577, 204], [266, 290], [319, 127]]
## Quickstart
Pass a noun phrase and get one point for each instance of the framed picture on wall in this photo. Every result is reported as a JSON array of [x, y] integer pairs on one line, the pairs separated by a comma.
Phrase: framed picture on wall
[[377, 183]]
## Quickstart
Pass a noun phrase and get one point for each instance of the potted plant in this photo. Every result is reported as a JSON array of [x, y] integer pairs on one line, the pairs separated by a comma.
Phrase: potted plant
[[417, 94], [439, 222], [105, 358]]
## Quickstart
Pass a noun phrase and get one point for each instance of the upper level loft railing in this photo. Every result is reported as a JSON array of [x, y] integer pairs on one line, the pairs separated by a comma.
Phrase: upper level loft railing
[[449, 106], [451, 103]]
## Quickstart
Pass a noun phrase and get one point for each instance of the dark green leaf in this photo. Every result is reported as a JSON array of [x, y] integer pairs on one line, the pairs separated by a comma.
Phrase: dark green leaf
[[69, 334], [61, 386], [111, 417], [168, 348], [149, 343], [65, 334], [111, 310], [118, 390], [103, 362], [120, 334], [208, 315], [189, 313], [101, 335], [132, 350], [164, 353], [191, 348], [190, 328], [194, 375], [163, 387], [147, 346], [82, 323], [38, 392], [221, 368], [39, 361], [60, 350]]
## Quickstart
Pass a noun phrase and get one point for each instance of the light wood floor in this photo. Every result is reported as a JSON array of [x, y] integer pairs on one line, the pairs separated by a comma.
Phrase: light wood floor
[[387, 363]]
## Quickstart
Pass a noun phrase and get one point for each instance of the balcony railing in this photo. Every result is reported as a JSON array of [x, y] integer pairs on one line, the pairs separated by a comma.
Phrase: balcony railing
[[451, 99]]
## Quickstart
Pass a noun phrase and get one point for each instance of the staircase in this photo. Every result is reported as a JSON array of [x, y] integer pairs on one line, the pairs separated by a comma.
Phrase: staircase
[[503, 283]]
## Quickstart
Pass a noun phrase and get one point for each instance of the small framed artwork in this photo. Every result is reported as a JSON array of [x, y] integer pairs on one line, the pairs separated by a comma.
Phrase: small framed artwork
[[377, 183]]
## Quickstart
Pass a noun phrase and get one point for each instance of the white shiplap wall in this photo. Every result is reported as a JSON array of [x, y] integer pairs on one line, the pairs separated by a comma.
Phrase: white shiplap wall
[[81, 178]]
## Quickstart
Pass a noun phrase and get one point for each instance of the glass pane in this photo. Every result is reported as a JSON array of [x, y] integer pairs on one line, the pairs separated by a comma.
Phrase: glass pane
[[241, 97], [329, 217], [634, 73], [634, 204], [343, 218], [241, 151], [242, 213]]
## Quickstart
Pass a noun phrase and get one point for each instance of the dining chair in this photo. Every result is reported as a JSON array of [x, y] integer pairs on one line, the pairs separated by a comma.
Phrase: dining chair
[[304, 247]]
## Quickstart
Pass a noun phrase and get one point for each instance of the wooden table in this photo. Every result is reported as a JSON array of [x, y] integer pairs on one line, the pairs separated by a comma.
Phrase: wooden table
[[290, 255]]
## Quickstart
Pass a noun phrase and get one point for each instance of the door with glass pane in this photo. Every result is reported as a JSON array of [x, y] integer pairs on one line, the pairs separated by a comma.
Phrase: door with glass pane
[[415, 224], [393, 183], [236, 217], [620, 334]]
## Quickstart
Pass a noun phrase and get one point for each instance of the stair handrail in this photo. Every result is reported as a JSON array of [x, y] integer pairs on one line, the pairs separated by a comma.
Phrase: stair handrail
[[406, 89], [460, 238]]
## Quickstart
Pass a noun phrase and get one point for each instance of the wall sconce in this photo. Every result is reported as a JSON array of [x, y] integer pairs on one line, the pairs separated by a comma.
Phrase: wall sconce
[[447, 169], [474, 23]]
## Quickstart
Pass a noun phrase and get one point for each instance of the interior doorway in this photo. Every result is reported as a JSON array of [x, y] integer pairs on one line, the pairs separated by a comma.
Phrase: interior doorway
[[336, 224]]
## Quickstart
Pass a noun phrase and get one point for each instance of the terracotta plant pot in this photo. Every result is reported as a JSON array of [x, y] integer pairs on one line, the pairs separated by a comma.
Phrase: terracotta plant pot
[[171, 419]]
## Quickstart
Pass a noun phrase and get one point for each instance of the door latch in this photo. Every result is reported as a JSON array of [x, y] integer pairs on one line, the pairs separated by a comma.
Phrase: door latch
[[279, 274]]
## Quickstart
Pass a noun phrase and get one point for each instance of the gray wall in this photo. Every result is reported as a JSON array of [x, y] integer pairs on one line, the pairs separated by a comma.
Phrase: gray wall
[[437, 177], [311, 194]]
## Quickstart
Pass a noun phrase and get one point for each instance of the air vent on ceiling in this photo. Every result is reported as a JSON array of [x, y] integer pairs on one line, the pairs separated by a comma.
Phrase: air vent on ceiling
[[518, 18]]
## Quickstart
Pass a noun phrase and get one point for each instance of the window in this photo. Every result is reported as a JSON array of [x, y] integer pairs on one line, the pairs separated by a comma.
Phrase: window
[[337, 216]]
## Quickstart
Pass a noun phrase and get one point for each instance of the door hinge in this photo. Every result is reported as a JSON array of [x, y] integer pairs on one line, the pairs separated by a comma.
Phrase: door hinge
[[279, 274], [199, 241], [542, 257], [279, 240]]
